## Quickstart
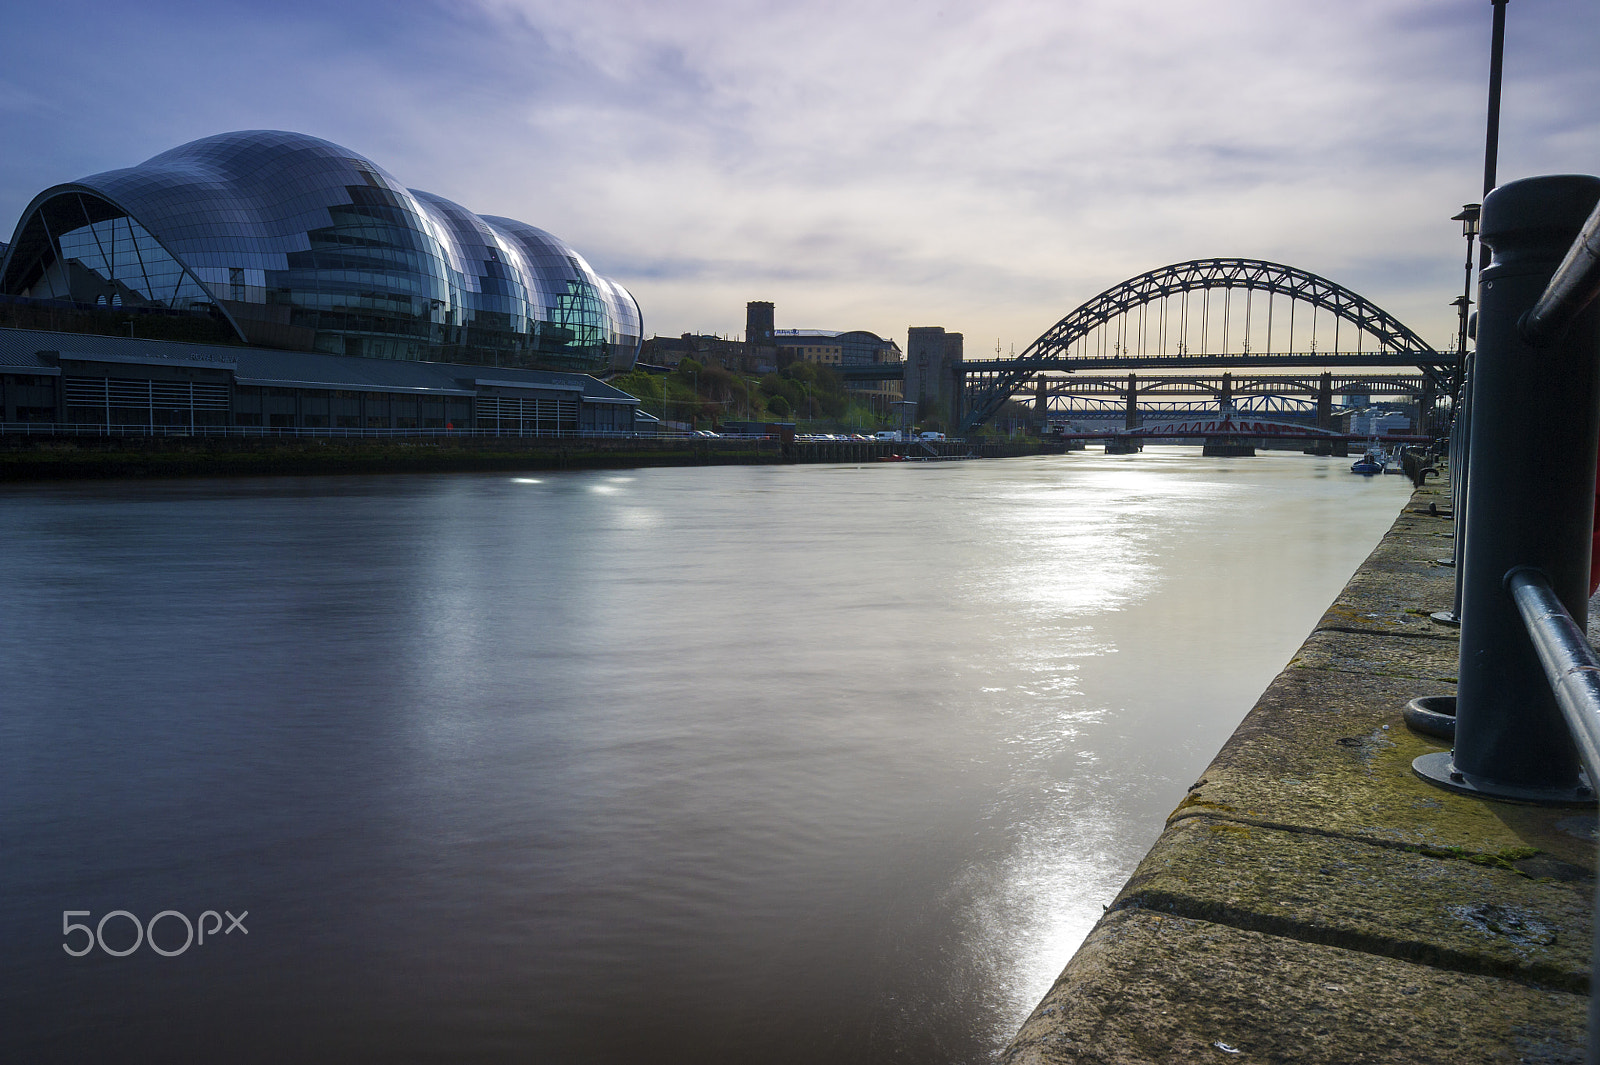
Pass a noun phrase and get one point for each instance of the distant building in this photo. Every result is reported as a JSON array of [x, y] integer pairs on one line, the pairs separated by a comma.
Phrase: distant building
[[766, 347], [1378, 421], [858, 347], [758, 336], [809, 345], [703, 348]]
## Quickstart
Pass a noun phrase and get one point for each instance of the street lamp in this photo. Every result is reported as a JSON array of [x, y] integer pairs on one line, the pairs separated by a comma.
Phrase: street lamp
[[1469, 229]]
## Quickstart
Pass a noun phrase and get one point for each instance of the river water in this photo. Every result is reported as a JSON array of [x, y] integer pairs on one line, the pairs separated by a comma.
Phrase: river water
[[823, 764]]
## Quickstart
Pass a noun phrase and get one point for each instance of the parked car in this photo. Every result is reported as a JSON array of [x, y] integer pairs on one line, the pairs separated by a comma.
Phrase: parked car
[[888, 436], [929, 434]]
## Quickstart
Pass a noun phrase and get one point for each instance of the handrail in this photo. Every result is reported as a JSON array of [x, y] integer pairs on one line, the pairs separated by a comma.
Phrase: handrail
[[1569, 662], [1576, 282], [1528, 685]]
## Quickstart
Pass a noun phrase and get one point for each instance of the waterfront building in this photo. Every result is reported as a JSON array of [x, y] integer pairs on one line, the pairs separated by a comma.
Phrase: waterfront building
[[77, 383], [287, 241]]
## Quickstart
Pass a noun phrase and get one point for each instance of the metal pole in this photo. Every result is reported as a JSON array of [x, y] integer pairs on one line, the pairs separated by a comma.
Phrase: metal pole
[[1491, 141], [1530, 494], [1460, 464]]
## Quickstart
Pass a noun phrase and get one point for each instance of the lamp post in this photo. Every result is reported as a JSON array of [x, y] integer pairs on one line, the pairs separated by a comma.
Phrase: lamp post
[[1469, 229], [1460, 418], [1491, 139]]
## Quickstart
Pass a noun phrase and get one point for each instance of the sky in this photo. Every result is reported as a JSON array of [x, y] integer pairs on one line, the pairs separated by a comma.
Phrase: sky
[[875, 164]]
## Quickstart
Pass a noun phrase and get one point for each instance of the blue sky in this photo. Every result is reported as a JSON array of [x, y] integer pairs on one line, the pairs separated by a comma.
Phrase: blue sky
[[878, 165]]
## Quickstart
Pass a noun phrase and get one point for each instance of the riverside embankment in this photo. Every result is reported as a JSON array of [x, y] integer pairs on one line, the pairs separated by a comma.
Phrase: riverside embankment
[[63, 457], [1312, 900]]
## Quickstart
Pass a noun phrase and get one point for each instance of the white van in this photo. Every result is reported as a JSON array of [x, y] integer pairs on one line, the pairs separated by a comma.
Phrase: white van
[[930, 435], [890, 436]]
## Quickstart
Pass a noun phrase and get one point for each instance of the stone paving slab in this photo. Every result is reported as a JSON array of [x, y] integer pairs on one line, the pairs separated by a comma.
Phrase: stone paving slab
[[1152, 988], [1434, 660], [1437, 908], [1327, 751]]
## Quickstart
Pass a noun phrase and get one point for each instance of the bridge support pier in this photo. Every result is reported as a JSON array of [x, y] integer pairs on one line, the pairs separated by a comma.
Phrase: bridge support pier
[[1324, 415], [1131, 418], [1041, 404], [958, 395]]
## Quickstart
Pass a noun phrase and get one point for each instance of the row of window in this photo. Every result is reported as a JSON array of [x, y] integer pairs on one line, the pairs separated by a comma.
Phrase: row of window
[[138, 401]]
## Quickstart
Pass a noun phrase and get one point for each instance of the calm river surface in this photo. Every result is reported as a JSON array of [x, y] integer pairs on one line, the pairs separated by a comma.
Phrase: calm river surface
[[823, 764]]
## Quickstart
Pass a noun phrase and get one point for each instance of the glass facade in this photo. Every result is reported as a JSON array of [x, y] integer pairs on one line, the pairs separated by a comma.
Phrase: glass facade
[[302, 244]]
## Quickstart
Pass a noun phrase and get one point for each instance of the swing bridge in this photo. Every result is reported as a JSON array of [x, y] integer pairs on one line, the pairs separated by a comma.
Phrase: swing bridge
[[1247, 314]]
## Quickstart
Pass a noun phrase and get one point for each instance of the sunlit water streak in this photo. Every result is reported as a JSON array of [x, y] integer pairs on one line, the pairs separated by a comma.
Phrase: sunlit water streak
[[809, 764]]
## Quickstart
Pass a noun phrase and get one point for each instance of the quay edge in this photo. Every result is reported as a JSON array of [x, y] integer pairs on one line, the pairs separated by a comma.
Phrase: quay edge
[[67, 457], [1312, 900]]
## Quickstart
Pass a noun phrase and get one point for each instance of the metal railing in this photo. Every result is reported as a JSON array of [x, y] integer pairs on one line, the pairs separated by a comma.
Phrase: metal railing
[[1529, 486], [1569, 662], [1528, 692]]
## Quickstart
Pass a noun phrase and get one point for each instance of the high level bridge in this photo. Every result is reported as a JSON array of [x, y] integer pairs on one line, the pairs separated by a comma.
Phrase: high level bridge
[[1311, 398], [1203, 314]]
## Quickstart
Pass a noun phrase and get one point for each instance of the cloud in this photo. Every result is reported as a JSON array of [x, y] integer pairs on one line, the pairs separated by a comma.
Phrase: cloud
[[985, 167]]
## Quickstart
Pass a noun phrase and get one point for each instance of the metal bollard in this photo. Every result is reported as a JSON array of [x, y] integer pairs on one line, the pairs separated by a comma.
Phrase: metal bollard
[[1530, 493]]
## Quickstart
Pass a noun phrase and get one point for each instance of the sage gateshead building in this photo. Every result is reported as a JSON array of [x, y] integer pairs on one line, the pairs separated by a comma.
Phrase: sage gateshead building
[[290, 242]]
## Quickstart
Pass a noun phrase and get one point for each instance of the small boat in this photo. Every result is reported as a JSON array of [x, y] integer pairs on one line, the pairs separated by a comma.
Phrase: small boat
[[1368, 465]]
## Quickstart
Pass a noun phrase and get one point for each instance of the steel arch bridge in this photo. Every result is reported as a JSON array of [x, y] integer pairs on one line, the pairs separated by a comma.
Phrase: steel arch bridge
[[1100, 334]]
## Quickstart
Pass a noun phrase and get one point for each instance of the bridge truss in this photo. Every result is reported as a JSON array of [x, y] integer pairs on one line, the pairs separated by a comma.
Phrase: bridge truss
[[1169, 317], [1101, 395]]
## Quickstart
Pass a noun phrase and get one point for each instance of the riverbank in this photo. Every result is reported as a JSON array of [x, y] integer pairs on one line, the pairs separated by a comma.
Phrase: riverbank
[[63, 457], [1312, 900]]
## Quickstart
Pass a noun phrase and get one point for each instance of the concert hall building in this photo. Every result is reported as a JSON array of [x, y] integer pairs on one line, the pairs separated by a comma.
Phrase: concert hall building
[[270, 240]]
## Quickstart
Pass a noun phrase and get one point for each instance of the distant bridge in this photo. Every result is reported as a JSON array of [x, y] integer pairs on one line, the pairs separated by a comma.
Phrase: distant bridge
[[1271, 318], [1307, 396]]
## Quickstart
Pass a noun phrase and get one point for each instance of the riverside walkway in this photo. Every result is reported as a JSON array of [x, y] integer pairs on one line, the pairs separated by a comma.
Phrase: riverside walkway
[[1312, 900]]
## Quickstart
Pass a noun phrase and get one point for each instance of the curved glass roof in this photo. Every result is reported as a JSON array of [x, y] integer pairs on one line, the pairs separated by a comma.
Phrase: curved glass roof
[[302, 243]]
